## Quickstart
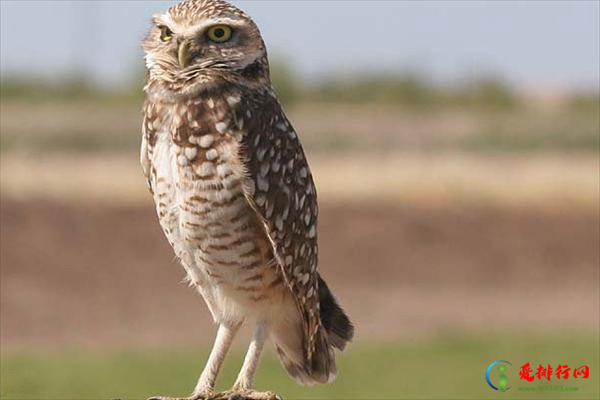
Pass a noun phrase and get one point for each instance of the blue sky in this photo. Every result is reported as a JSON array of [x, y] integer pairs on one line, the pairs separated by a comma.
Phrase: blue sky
[[533, 44]]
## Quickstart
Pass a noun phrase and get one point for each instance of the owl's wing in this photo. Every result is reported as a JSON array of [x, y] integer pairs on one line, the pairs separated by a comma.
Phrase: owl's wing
[[280, 188]]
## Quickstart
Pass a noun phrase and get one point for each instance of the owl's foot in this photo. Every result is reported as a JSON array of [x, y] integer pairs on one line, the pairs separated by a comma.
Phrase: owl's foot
[[244, 394], [202, 396]]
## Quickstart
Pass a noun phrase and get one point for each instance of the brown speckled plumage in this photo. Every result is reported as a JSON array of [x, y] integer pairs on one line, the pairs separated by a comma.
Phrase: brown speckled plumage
[[233, 189]]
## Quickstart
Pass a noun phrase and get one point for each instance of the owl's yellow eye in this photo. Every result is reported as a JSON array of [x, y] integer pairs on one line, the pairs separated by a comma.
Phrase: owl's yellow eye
[[165, 33], [219, 33]]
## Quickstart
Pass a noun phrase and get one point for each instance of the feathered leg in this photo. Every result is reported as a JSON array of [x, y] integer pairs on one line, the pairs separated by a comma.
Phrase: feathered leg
[[207, 380], [245, 379], [242, 388]]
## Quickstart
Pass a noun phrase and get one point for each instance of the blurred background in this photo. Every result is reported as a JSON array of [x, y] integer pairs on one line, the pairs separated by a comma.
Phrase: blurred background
[[455, 147]]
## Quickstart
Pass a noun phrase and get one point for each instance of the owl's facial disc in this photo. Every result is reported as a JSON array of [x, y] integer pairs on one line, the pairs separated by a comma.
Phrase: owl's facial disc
[[186, 51]]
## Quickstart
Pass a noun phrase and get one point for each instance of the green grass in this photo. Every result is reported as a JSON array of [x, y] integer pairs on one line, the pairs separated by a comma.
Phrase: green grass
[[449, 367]]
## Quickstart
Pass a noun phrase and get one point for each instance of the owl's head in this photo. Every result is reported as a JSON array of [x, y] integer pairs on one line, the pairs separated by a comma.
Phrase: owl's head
[[201, 43]]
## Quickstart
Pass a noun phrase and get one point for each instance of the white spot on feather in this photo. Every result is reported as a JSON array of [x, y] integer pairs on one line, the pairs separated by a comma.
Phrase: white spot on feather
[[182, 160], [212, 154], [205, 141], [233, 100], [221, 127], [262, 183], [264, 168], [270, 208], [205, 169], [279, 223], [191, 152], [305, 279], [260, 154], [286, 211], [223, 169]]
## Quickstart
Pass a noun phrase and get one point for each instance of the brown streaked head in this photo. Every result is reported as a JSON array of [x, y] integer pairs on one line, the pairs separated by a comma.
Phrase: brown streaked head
[[199, 43]]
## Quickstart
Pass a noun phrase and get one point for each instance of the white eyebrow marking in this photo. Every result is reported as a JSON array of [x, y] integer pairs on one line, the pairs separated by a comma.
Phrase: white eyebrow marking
[[206, 23], [195, 29], [220, 21], [166, 18]]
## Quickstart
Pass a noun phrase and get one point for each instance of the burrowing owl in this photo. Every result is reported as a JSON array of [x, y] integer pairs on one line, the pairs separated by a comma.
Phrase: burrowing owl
[[234, 193]]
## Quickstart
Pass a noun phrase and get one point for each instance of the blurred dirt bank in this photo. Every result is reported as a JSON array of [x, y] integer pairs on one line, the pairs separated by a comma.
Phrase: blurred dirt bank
[[102, 275]]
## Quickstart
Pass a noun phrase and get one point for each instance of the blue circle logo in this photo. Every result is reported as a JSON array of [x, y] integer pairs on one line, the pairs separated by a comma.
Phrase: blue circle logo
[[503, 379]]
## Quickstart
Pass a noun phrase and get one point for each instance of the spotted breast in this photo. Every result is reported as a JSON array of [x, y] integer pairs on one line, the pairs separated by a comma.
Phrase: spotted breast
[[196, 177]]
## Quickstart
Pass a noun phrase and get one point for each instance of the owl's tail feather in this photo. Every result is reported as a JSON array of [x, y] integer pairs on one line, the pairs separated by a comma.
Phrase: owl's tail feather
[[336, 333], [339, 329], [321, 369]]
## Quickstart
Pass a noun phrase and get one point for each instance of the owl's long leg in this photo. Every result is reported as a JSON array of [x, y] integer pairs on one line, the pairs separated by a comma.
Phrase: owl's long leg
[[242, 388], [225, 336], [245, 379]]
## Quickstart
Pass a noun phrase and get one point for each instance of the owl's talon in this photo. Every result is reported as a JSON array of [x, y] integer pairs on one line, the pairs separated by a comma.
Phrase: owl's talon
[[236, 394], [202, 396]]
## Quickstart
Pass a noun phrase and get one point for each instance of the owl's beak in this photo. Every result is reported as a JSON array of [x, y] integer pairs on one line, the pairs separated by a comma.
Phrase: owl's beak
[[184, 48]]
